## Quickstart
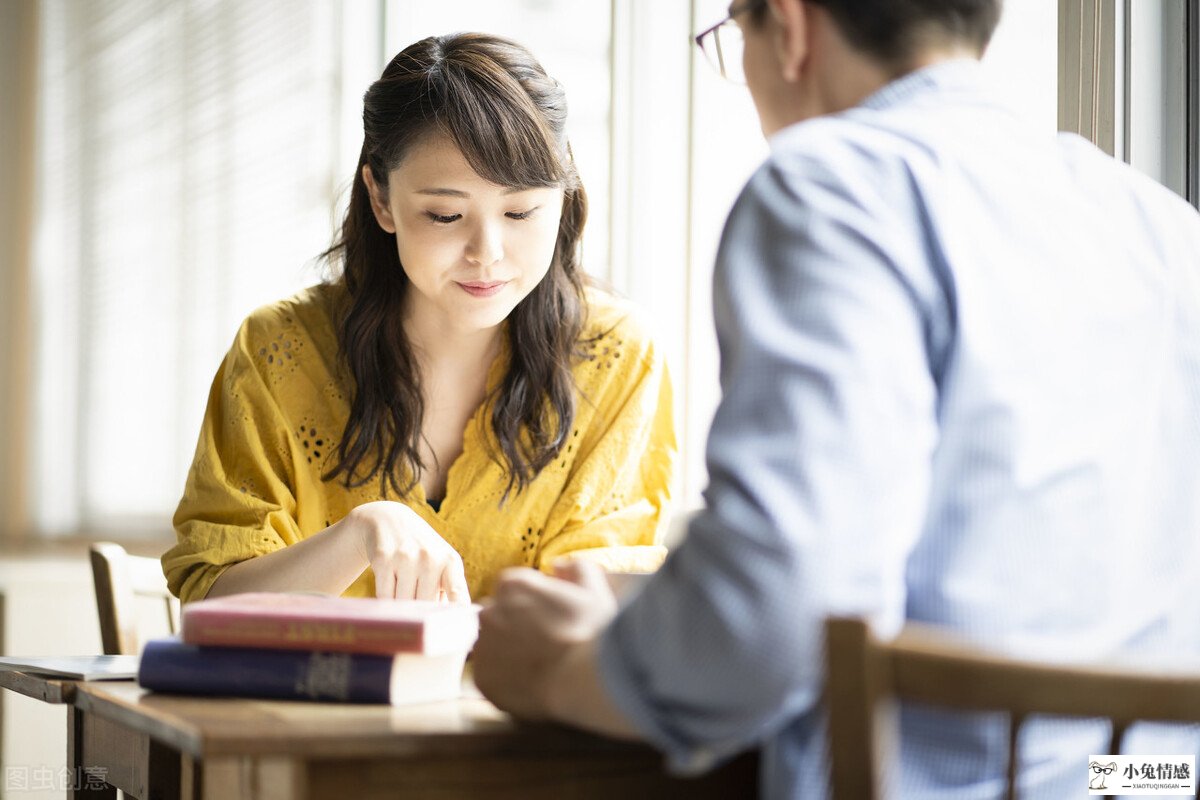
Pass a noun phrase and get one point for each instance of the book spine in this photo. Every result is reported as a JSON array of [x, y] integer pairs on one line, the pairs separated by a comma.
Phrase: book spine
[[172, 666], [301, 634]]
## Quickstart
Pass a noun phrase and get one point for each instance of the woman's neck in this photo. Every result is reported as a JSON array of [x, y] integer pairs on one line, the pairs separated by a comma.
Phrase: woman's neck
[[440, 348]]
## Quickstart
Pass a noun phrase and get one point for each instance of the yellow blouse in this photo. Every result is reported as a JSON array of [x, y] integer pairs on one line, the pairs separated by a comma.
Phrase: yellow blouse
[[279, 404]]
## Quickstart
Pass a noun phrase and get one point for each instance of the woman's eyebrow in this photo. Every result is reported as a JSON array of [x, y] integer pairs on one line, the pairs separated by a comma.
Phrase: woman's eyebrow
[[438, 192], [445, 192]]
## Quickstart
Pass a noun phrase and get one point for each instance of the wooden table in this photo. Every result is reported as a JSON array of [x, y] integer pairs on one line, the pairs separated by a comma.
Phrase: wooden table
[[169, 746]]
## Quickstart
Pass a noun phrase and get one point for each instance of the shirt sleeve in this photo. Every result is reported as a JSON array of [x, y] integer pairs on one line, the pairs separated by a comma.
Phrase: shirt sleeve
[[819, 467], [613, 509], [238, 502]]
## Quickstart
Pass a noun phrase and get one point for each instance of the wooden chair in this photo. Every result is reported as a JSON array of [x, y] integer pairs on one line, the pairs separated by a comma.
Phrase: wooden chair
[[864, 675], [121, 579]]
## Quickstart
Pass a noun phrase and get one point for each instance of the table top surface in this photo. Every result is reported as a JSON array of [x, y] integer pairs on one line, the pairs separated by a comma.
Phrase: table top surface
[[39, 687], [463, 732], [209, 726]]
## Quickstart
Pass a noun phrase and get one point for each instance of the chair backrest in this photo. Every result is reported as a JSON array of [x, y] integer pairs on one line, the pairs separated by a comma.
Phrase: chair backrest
[[864, 676], [121, 579]]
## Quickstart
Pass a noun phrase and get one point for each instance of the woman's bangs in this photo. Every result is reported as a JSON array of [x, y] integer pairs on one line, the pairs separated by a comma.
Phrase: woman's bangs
[[503, 137]]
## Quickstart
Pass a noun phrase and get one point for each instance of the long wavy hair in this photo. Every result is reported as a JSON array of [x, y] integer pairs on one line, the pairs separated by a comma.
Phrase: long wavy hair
[[507, 116]]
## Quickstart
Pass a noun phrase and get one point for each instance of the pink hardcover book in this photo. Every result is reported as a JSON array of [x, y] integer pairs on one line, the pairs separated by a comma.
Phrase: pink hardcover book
[[298, 621]]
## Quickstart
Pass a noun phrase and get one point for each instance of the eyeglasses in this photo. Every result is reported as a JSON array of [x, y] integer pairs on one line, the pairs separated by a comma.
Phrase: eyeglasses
[[722, 44]]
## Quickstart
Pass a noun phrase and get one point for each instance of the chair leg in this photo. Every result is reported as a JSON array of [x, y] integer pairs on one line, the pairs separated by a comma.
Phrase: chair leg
[[1015, 721], [1117, 739], [3, 649]]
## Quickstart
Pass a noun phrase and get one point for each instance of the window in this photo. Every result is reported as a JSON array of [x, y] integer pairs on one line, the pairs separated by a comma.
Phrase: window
[[193, 155], [184, 178], [1129, 80], [1151, 89]]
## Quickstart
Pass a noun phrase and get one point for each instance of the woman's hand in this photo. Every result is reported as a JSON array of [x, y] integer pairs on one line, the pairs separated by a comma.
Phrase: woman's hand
[[409, 558]]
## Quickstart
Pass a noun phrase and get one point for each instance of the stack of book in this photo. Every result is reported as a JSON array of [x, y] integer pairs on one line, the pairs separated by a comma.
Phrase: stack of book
[[314, 647]]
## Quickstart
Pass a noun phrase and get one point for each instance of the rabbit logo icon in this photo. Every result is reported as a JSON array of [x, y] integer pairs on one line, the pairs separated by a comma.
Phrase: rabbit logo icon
[[1100, 772]]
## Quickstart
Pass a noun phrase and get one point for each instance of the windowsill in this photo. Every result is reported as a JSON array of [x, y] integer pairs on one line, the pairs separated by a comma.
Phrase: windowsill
[[76, 545]]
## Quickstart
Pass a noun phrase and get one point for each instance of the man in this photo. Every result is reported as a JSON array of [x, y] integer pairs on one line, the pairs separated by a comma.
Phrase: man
[[960, 360]]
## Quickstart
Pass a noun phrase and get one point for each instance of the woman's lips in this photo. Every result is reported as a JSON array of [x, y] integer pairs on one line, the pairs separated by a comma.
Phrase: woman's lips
[[482, 288]]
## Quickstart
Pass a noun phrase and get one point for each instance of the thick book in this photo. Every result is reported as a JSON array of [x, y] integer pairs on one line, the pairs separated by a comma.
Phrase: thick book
[[338, 624], [169, 665], [74, 668]]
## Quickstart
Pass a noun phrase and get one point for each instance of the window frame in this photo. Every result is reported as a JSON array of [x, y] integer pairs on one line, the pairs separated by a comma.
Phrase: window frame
[[1129, 81]]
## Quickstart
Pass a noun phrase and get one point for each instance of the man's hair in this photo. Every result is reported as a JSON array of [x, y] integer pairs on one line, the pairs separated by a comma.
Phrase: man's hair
[[895, 30]]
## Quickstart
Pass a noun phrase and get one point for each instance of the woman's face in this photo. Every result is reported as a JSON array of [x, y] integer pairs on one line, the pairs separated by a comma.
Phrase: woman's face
[[471, 249]]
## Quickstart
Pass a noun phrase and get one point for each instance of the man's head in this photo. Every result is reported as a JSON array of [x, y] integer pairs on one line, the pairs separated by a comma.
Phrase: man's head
[[894, 31], [809, 57]]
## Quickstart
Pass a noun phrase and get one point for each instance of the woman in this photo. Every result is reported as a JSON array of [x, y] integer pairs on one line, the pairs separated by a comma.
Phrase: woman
[[455, 401]]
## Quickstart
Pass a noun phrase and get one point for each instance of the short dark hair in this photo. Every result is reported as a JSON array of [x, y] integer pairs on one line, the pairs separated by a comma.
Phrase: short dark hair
[[893, 30]]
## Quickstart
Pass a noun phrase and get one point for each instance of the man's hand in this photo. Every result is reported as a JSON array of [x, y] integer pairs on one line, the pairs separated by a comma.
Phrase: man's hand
[[530, 630]]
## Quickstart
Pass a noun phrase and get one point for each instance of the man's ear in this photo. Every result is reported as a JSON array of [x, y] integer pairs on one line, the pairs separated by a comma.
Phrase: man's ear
[[379, 201], [791, 39]]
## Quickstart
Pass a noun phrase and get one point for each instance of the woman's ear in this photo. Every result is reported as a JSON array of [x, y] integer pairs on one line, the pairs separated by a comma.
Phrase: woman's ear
[[379, 201], [791, 39]]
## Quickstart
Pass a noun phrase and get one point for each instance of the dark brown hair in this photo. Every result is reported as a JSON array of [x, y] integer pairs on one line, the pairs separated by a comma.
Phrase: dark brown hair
[[507, 116], [891, 30]]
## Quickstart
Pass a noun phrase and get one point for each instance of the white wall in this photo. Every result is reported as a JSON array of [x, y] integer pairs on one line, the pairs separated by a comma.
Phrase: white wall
[[1158, 92], [1023, 58], [49, 609]]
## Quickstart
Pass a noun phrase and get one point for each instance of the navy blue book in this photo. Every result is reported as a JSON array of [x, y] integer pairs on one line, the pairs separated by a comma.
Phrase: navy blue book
[[169, 665]]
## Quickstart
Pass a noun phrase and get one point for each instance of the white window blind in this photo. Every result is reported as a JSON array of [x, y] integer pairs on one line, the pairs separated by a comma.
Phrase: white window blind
[[186, 175], [190, 153]]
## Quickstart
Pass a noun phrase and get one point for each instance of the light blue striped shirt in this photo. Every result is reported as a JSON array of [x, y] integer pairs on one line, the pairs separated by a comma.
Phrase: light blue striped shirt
[[960, 359]]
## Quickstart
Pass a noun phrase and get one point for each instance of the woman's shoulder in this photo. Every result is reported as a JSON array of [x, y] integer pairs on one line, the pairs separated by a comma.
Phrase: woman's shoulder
[[289, 341], [616, 344], [617, 322], [305, 319]]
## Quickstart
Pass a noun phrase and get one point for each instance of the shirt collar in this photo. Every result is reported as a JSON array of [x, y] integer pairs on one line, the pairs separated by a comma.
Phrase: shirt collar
[[958, 73]]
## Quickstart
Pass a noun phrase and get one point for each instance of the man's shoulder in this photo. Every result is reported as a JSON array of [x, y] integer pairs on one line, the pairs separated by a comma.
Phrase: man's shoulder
[[829, 159], [848, 139], [1142, 204]]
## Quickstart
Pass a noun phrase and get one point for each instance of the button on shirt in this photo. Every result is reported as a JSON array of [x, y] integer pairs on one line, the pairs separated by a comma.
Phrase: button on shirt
[[960, 363]]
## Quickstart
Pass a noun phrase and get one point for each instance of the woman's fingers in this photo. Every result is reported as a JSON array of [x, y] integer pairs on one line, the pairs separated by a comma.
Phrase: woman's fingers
[[406, 582], [410, 559], [424, 573], [428, 582], [453, 581], [385, 581], [441, 577]]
